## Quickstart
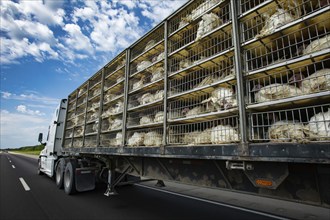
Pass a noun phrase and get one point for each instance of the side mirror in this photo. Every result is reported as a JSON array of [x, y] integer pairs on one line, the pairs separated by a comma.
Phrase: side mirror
[[40, 138]]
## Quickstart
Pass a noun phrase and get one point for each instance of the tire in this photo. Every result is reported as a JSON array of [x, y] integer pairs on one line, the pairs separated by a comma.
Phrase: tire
[[59, 173], [69, 178], [39, 166]]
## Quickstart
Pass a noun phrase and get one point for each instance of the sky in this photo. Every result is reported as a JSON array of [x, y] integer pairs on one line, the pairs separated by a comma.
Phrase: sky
[[48, 48]]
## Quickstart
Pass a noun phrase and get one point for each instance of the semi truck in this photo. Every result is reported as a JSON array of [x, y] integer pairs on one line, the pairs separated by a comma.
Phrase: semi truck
[[225, 94]]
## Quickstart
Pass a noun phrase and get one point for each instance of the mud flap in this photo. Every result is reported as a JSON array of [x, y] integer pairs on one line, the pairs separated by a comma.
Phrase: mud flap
[[267, 175], [85, 179]]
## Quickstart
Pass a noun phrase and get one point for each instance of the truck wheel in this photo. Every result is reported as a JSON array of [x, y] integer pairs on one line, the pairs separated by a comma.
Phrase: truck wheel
[[69, 178], [39, 167], [59, 173]]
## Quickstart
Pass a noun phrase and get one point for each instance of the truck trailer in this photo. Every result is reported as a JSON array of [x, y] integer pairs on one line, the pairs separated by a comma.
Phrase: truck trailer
[[225, 94]]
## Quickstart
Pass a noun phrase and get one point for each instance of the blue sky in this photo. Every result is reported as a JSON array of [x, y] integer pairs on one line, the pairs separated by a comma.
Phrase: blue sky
[[50, 47]]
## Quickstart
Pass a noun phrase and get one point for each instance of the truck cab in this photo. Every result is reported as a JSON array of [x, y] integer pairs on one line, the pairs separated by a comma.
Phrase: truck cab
[[52, 150]]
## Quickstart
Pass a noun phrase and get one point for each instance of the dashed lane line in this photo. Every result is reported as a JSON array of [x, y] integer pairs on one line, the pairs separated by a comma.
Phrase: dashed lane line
[[13, 166], [25, 185]]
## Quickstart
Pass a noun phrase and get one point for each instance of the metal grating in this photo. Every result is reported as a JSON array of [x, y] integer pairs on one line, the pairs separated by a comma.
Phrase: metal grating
[[299, 81], [145, 137], [299, 125], [221, 131]]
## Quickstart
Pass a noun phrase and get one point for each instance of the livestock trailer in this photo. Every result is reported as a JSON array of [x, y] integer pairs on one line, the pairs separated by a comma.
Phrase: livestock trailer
[[222, 93]]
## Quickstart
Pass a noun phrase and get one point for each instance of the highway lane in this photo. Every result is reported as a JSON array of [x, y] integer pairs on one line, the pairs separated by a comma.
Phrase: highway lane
[[44, 201]]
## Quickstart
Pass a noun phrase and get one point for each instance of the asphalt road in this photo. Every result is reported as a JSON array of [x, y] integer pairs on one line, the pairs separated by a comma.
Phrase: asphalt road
[[26, 195]]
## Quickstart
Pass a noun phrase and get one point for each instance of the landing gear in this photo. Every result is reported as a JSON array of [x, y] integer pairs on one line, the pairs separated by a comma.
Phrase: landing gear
[[160, 183]]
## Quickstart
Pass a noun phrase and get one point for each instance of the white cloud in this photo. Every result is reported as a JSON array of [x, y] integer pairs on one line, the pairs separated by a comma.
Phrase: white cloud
[[49, 13], [23, 109], [30, 97], [17, 130], [130, 4], [45, 29], [76, 39], [13, 49], [157, 11]]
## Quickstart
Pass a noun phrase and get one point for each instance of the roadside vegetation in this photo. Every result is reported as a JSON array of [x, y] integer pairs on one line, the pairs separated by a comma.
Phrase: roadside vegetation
[[33, 150]]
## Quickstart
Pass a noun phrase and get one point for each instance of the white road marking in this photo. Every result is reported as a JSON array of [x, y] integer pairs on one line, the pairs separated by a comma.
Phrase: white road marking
[[215, 203], [13, 166], [9, 161], [25, 185]]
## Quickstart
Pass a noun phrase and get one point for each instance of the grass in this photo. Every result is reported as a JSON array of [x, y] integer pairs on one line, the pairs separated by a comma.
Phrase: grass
[[27, 152], [32, 150]]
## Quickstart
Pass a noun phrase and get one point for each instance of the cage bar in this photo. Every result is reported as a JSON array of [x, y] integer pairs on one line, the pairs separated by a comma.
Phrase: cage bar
[[220, 131], [191, 13], [112, 139], [298, 125], [218, 72], [293, 82], [207, 48], [151, 137], [219, 16], [143, 98], [146, 116], [307, 40]]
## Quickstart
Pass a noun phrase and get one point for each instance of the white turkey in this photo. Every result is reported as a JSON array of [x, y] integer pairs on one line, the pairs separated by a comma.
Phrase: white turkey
[[94, 106], [136, 139], [78, 131], [159, 94], [274, 21], [222, 98], [146, 98], [74, 121], [207, 24], [275, 91], [157, 73], [150, 44], [159, 117], [146, 120], [153, 138], [207, 81], [93, 115], [182, 23], [77, 143], [158, 57], [316, 82], [115, 124], [223, 134], [119, 107], [287, 131], [121, 63], [185, 63], [119, 137], [117, 141], [97, 91], [198, 137], [200, 9], [138, 83], [80, 120], [318, 44], [108, 97], [318, 127], [120, 78], [161, 56], [95, 127], [141, 66], [194, 111]]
